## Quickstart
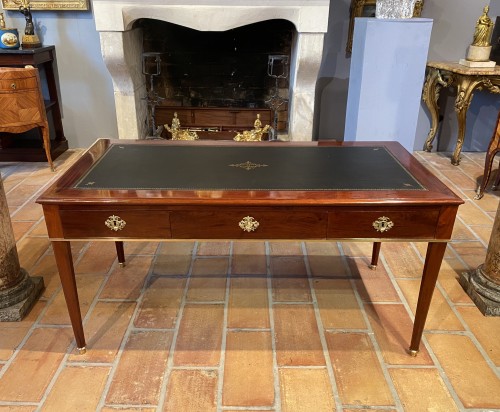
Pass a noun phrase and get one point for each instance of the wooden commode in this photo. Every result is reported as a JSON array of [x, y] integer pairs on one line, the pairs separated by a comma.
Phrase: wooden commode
[[21, 104]]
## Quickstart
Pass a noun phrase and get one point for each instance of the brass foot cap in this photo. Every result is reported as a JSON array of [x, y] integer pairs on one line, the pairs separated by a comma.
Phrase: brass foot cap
[[413, 352], [122, 264], [82, 351], [373, 267]]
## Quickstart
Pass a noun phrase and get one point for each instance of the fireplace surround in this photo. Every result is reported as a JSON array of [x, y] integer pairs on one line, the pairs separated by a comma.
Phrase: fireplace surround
[[122, 47]]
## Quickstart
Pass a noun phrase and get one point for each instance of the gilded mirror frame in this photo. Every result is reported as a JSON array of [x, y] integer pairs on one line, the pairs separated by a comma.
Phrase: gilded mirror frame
[[48, 5], [359, 8]]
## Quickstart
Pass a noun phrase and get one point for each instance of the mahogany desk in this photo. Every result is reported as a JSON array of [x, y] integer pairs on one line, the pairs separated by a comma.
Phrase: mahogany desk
[[136, 190]]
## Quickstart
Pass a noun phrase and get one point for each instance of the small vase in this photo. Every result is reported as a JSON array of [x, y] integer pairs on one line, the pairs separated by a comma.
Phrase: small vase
[[394, 9]]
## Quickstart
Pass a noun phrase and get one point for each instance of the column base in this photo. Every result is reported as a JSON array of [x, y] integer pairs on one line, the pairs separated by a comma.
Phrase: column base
[[17, 311], [483, 292]]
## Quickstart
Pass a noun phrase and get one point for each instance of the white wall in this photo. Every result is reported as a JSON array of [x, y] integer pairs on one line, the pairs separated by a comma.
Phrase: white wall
[[87, 92]]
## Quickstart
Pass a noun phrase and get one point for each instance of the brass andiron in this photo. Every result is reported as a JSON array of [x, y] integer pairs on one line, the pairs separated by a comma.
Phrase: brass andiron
[[178, 133], [254, 135]]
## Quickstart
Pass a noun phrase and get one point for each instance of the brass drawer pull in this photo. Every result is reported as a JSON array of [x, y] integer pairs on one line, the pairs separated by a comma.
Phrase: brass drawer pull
[[249, 224], [115, 223], [13, 86], [383, 224]]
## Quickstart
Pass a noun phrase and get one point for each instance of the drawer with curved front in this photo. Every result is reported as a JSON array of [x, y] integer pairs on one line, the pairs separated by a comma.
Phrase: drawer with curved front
[[410, 223], [127, 224], [248, 224]]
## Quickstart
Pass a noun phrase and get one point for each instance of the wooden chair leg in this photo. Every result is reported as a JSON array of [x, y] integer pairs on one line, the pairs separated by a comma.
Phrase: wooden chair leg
[[493, 149], [120, 252], [46, 145], [375, 253]]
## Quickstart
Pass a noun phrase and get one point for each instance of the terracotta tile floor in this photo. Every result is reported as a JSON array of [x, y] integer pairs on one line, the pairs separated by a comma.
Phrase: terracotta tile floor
[[257, 326]]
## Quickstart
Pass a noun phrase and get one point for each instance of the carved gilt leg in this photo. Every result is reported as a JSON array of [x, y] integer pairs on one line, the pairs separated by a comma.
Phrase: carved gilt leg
[[430, 95], [465, 91]]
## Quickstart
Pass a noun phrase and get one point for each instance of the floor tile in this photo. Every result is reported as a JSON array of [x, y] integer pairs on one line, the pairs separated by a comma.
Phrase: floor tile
[[139, 375], [485, 329], [104, 331], [289, 280], [77, 388], [354, 359], [209, 279], [393, 330], [305, 390], [191, 390], [248, 303], [161, 303], [297, 336], [29, 375], [338, 305], [248, 370], [402, 259], [127, 282], [174, 258], [440, 315], [461, 360], [200, 335], [249, 258], [422, 390], [372, 285]]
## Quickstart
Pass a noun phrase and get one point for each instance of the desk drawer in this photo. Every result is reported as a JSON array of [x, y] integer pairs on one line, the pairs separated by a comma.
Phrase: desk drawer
[[238, 224], [140, 223], [414, 223], [18, 84]]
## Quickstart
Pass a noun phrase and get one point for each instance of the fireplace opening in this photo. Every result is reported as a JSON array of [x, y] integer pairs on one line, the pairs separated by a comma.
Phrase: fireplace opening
[[218, 81]]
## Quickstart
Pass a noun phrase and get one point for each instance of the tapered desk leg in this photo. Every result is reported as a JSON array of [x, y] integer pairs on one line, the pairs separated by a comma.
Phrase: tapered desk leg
[[120, 252], [433, 259], [62, 252], [375, 254]]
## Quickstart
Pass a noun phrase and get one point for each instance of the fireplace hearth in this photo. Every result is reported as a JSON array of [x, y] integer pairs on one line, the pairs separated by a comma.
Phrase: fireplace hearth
[[293, 27]]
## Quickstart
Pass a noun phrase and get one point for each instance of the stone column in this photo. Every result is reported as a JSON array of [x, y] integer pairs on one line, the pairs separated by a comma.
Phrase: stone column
[[483, 284], [18, 291]]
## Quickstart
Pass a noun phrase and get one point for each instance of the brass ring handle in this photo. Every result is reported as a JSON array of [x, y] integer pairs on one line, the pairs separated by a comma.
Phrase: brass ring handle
[[115, 223], [383, 224], [248, 224], [13, 86]]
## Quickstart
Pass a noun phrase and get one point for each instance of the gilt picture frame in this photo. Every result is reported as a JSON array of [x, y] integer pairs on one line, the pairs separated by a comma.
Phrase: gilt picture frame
[[49, 4]]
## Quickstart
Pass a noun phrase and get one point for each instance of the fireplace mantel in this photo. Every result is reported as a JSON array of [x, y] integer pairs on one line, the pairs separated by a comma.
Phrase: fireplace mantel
[[121, 47]]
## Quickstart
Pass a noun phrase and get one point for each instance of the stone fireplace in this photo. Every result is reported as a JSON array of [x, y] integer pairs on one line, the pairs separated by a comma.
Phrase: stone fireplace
[[122, 47]]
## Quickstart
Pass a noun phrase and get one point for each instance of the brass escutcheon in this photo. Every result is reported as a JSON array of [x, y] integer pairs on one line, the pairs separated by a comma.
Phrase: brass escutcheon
[[249, 224], [13, 86], [383, 224], [115, 223]]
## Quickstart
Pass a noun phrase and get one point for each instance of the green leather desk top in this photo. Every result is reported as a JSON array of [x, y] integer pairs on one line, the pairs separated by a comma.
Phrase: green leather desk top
[[266, 167]]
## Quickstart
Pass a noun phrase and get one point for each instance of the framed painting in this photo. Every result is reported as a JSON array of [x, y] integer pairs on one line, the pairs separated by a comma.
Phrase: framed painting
[[48, 5]]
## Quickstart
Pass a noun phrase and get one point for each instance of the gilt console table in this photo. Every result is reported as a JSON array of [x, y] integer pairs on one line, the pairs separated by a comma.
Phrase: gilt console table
[[136, 190], [465, 80]]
